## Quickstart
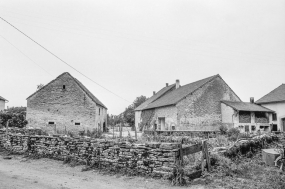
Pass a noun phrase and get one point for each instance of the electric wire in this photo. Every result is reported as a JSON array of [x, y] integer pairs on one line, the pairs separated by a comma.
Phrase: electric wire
[[62, 60]]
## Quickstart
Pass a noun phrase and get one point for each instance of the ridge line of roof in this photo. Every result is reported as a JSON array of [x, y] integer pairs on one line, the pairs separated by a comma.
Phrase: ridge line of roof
[[213, 77], [268, 94]]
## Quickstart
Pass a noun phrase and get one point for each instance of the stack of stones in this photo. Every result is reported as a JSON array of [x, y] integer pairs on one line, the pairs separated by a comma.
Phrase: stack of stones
[[158, 159]]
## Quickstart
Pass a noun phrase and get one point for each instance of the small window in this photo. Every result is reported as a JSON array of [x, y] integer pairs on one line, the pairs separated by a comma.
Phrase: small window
[[274, 117], [99, 111], [76, 123], [63, 87], [253, 128], [51, 123]]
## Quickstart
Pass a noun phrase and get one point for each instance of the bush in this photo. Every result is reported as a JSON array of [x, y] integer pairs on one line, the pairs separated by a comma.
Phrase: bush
[[233, 133], [223, 129]]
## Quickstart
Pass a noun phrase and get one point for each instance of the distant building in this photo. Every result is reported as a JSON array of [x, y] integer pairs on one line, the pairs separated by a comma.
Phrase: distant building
[[2, 103], [65, 104], [275, 100], [192, 107], [246, 116]]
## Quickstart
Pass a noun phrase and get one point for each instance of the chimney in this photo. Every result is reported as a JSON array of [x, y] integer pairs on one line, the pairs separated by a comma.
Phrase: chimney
[[177, 83], [166, 84], [251, 100], [153, 92]]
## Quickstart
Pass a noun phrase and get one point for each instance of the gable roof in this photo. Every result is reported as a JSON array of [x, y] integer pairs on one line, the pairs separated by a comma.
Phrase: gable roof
[[1, 98], [176, 95], [277, 95], [93, 98], [246, 106], [155, 97]]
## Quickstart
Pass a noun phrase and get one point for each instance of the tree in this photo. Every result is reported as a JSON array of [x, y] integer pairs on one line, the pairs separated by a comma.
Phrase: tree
[[15, 115], [129, 113]]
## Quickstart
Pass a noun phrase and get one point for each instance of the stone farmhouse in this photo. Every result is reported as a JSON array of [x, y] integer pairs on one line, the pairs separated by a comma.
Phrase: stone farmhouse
[[246, 116], [192, 107], [2, 103], [275, 100], [65, 104]]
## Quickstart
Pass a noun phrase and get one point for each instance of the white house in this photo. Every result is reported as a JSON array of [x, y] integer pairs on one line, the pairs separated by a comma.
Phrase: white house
[[2, 103], [275, 100]]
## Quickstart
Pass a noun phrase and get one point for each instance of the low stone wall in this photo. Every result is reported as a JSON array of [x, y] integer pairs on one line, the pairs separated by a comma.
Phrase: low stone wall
[[158, 159]]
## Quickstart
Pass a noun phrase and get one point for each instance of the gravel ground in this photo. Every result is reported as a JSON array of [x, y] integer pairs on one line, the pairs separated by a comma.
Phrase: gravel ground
[[20, 173]]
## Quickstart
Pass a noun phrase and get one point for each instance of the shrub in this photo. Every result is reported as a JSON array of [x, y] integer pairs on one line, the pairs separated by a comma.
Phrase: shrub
[[233, 133], [223, 129]]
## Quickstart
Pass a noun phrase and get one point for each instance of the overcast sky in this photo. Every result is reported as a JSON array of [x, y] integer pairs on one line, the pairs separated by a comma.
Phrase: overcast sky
[[133, 48]]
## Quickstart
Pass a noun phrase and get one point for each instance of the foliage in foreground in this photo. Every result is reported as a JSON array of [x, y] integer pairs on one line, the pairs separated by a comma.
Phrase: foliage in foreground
[[15, 115]]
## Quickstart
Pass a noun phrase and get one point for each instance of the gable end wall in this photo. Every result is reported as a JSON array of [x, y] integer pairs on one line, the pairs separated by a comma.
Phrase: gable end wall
[[202, 109], [64, 107]]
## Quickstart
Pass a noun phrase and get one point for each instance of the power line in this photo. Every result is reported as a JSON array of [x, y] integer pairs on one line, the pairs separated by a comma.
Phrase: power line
[[24, 54], [61, 59]]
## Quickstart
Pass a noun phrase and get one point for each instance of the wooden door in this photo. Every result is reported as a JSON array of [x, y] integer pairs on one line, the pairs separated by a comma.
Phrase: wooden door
[[283, 123]]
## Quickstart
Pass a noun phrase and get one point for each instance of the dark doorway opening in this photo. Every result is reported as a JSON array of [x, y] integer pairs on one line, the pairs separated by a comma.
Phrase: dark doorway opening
[[104, 127], [274, 127]]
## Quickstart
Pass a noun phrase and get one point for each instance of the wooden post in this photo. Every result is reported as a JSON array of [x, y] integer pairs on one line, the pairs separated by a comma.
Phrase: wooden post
[[113, 131], [7, 125], [120, 130], [136, 137], [206, 153], [181, 156]]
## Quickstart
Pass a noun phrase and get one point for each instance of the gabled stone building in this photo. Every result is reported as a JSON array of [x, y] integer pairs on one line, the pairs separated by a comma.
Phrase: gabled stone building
[[65, 104], [192, 107]]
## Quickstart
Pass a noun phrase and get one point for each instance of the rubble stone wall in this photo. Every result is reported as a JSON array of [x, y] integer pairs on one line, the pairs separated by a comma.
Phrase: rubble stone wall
[[158, 159]]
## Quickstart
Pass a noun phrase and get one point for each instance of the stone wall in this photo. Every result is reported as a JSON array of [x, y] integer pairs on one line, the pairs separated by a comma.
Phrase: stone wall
[[157, 159], [202, 109], [170, 114], [66, 107]]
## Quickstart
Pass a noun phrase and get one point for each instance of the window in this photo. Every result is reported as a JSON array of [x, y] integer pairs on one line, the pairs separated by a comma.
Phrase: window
[[63, 87], [76, 123], [253, 128], [99, 111], [51, 123], [274, 117]]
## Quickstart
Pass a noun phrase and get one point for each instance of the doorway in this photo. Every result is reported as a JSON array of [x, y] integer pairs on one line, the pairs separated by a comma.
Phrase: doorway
[[161, 123], [283, 123]]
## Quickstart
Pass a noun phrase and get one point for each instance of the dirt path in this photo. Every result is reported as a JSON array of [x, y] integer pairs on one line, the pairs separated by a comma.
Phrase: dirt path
[[19, 173]]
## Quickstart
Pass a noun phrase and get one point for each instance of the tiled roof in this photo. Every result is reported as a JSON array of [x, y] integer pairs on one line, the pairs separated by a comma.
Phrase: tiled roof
[[79, 84], [246, 106], [1, 98], [277, 95], [155, 97], [176, 95]]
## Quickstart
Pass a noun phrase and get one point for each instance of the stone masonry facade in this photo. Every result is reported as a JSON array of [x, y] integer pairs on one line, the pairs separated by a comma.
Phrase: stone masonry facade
[[64, 106], [199, 111], [202, 109]]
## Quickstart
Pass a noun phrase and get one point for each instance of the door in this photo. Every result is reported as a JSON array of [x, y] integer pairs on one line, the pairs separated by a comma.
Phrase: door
[[283, 123]]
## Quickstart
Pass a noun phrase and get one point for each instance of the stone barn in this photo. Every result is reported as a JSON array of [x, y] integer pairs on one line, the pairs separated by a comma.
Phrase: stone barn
[[65, 104], [193, 107]]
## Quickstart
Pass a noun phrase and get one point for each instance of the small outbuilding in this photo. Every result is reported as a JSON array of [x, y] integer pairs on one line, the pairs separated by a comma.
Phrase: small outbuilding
[[2, 103], [246, 116]]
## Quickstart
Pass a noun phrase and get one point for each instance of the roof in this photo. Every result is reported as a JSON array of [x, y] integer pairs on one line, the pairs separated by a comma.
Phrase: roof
[[79, 84], [176, 95], [1, 98], [246, 106], [155, 97], [277, 95]]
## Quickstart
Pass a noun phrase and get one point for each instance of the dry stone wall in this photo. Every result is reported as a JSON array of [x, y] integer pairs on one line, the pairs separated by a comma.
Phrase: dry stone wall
[[157, 159]]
